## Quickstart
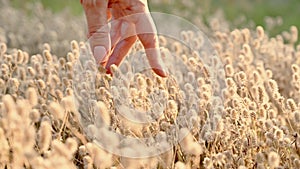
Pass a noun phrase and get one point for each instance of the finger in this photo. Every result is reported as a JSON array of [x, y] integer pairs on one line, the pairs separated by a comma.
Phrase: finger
[[120, 51], [98, 30], [123, 36], [96, 14], [115, 33], [146, 32], [109, 15]]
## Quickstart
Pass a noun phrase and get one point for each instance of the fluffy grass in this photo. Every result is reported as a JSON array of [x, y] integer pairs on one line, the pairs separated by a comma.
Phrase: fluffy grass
[[40, 125]]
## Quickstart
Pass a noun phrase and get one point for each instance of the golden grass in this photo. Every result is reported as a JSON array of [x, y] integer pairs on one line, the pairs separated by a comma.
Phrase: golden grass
[[257, 128]]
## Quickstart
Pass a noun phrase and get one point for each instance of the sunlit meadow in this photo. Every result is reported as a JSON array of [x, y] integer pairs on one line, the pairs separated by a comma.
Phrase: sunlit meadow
[[41, 127]]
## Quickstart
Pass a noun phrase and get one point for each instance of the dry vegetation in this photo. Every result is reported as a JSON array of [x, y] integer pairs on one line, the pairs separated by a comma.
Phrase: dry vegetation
[[40, 125]]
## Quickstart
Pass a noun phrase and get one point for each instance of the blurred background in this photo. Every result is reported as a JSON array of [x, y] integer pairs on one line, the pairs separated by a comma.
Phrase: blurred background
[[275, 15], [27, 24]]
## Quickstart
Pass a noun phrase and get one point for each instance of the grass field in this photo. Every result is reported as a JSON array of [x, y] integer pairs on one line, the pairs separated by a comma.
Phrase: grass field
[[236, 106]]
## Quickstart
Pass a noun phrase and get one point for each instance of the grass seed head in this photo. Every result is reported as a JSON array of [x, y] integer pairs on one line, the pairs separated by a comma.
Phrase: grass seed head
[[3, 48], [47, 55], [103, 112], [35, 115], [60, 149], [32, 96], [20, 57], [260, 32], [44, 136], [273, 159], [74, 45], [294, 34], [46, 46], [70, 57], [87, 162], [292, 105], [72, 145], [180, 165], [56, 110]]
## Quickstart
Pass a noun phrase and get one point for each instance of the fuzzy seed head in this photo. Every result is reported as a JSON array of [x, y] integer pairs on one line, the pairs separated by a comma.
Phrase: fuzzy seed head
[[70, 57], [188, 87], [297, 117], [72, 145], [69, 66], [47, 55], [184, 36], [31, 71], [260, 157], [296, 77], [68, 103], [260, 32], [114, 68], [82, 150], [230, 82], [69, 91], [104, 114], [295, 68], [176, 47], [74, 45], [294, 34], [56, 110], [172, 105], [208, 163], [269, 74], [60, 149], [41, 84], [278, 134], [296, 163], [273, 159], [59, 94], [180, 165], [20, 57], [3, 48], [229, 70], [46, 46], [9, 103], [87, 162], [32, 96], [44, 136], [162, 40], [62, 61], [35, 115], [141, 83], [291, 104]]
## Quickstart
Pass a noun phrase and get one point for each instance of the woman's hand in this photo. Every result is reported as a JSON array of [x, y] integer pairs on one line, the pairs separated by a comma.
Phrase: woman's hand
[[130, 20]]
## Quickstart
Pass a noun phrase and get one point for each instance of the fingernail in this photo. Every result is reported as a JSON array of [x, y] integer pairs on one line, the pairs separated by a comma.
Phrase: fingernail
[[161, 72], [99, 54]]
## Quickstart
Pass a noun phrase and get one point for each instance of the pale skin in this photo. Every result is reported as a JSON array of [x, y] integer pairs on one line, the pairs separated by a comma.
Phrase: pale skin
[[130, 20]]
